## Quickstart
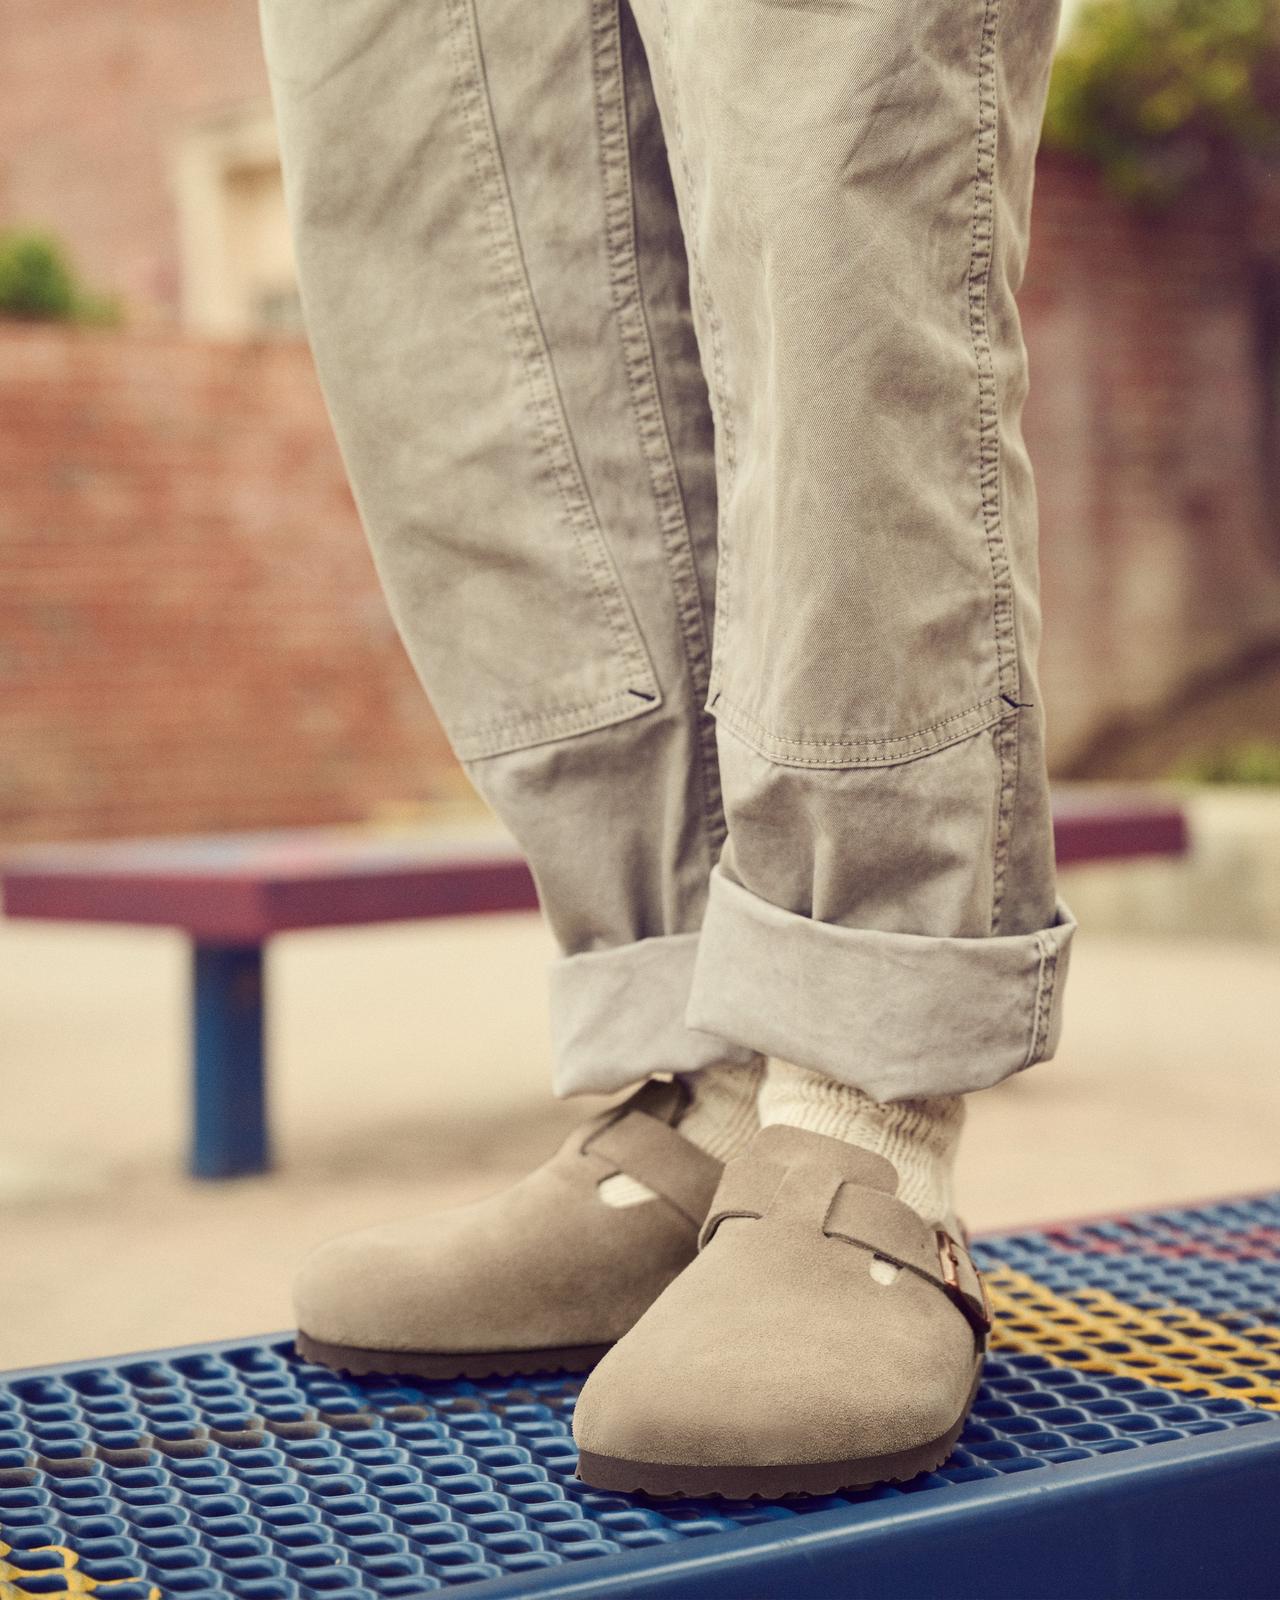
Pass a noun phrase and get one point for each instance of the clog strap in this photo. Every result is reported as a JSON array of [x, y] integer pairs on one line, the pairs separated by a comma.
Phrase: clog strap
[[637, 1138], [882, 1224], [870, 1218], [747, 1189]]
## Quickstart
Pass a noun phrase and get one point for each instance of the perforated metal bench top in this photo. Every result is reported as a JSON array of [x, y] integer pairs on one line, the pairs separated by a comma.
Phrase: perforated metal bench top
[[1125, 1442]]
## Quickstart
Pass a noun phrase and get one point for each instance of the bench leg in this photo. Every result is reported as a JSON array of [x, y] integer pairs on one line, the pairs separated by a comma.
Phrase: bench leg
[[229, 1133]]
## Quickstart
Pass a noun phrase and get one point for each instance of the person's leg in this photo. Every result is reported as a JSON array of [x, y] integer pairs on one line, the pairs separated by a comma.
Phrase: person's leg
[[854, 183], [495, 287]]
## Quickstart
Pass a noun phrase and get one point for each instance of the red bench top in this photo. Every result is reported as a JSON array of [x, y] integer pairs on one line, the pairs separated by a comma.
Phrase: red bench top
[[241, 888], [1096, 822]]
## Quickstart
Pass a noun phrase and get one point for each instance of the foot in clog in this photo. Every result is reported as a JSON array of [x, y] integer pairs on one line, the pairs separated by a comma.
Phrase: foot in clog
[[544, 1277], [825, 1338]]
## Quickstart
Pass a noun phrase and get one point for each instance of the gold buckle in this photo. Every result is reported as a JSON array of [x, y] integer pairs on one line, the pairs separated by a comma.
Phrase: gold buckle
[[950, 1264]]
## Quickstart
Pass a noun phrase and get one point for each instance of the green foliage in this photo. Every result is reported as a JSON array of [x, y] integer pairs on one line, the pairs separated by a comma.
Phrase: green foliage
[[38, 284], [1256, 761], [1160, 93]]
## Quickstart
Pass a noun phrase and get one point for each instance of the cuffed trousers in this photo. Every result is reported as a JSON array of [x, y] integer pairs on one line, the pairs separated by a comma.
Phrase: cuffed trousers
[[673, 354]]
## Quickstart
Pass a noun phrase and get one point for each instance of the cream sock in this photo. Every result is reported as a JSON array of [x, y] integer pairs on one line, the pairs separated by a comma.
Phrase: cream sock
[[720, 1119], [918, 1137]]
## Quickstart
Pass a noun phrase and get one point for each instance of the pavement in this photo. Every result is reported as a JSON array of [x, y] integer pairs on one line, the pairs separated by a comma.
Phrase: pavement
[[410, 1067]]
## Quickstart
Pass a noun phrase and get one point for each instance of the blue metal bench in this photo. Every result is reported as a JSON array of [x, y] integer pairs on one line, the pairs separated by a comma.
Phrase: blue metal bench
[[1124, 1443]]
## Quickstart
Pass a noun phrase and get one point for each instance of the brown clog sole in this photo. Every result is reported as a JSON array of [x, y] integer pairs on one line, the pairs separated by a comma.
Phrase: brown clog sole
[[447, 1364], [661, 1481]]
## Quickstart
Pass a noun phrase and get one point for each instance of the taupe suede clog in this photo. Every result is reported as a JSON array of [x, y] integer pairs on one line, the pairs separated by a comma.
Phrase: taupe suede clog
[[825, 1338], [541, 1278]]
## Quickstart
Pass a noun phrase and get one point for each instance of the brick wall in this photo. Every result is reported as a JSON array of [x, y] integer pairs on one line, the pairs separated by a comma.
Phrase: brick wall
[[191, 632], [1159, 546]]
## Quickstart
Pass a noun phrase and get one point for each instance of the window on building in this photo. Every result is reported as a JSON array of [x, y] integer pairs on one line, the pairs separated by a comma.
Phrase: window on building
[[238, 272]]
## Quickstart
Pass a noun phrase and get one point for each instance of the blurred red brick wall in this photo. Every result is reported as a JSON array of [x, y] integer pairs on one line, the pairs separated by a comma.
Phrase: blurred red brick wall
[[1160, 551], [191, 632]]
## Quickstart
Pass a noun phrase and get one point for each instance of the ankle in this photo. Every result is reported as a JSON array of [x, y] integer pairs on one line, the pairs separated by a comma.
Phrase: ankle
[[722, 1116], [918, 1138]]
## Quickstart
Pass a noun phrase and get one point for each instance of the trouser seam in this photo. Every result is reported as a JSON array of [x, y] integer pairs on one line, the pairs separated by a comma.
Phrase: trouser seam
[[847, 754], [981, 257], [645, 397], [1045, 978], [552, 440], [725, 435]]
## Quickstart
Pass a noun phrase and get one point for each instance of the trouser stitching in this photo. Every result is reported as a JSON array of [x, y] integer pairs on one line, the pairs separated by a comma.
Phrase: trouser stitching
[[646, 402], [981, 256], [552, 438], [1045, 979], [842, 754], [726, 438]]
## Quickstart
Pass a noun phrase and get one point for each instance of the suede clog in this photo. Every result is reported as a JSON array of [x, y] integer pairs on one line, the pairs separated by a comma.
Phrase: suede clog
[[543, 1277], [825, 1338]]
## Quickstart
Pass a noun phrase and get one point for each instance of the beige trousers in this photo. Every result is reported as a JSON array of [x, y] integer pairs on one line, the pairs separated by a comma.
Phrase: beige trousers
[[673, 353]]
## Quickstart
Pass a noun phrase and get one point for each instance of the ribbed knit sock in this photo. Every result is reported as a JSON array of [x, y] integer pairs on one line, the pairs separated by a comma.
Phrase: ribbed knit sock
[[720, 1118], [918, 1137]]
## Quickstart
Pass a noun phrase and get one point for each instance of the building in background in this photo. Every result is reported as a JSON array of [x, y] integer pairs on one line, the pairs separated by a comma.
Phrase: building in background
[[235, 255], [141, 133], [191, 635]]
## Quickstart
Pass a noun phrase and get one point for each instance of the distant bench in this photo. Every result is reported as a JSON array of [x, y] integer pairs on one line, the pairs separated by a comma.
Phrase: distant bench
[[231, 892]]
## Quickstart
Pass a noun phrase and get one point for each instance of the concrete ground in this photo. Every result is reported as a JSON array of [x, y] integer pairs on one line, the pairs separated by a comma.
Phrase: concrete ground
[[409, 1069]]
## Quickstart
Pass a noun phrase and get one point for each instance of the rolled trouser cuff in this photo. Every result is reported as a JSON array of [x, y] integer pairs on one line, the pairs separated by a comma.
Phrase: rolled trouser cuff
[[618, 1016], [896, 1015]]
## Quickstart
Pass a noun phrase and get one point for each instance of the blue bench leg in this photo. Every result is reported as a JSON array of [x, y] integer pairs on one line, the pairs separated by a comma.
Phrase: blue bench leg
[[229, 1135]]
